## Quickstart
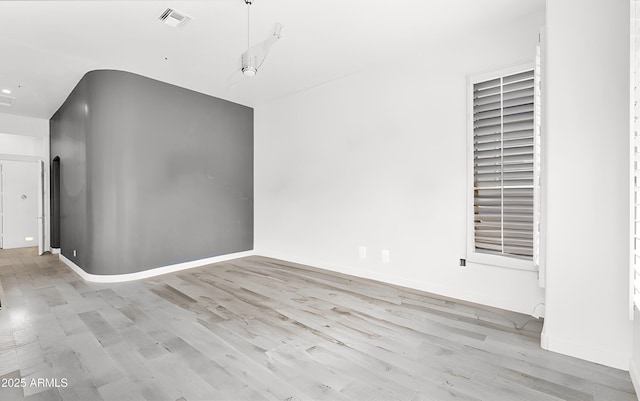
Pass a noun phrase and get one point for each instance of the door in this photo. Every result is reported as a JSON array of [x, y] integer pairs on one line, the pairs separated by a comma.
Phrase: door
[[40, 207], [1, 209], [20, 204]]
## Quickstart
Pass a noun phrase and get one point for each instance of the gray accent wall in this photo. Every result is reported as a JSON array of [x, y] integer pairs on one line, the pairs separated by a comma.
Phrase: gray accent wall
[[151, 174]]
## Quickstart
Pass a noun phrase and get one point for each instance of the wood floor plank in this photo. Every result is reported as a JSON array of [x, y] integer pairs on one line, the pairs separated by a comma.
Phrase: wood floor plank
[[49, 394], [264, 329], [10, 391], [95, 360], [101, 329]]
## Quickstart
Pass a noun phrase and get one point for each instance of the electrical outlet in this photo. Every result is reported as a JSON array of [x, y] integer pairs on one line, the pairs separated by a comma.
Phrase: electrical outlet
[[384, 256], [463, 262], [75, 253], [362, 252]]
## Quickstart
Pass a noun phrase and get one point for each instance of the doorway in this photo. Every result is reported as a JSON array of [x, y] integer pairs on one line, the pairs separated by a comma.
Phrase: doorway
[[21, 204]]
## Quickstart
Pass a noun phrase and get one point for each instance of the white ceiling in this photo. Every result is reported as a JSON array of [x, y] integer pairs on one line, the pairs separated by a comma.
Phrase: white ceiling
[[47, 46]]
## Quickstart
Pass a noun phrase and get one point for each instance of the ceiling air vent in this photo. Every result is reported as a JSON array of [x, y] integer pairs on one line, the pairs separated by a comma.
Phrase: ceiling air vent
[[174, 19], [7, 101]]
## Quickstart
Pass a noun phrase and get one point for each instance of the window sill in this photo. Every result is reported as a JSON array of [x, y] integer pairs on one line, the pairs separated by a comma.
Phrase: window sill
[[501, 261]]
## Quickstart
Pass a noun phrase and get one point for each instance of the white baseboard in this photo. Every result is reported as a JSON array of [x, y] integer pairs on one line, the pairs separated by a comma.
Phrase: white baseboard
[[117, 278], [617, 360], [352, 271], [544, 339], [55, 251], [400, 281], [635, 376]]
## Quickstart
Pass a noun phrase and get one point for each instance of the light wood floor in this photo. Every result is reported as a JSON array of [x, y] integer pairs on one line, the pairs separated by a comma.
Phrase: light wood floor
[[257, 328]]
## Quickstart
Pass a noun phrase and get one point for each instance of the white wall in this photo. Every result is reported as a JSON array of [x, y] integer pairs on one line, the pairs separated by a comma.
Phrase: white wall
[[378, 159], [21, 145], [26, 138], [587, 180], [19, 125]]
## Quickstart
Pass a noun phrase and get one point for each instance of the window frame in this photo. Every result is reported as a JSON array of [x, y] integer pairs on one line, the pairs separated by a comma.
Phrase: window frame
[[472, 255], [634, 189]]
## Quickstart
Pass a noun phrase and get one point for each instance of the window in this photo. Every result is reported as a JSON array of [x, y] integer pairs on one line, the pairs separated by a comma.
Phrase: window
[[505, 131]]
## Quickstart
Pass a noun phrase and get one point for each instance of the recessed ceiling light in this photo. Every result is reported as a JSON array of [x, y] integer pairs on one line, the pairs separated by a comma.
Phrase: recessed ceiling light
[[7, 91]]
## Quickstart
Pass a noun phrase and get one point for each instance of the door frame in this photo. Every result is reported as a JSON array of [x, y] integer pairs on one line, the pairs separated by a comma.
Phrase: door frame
[[42, 191]]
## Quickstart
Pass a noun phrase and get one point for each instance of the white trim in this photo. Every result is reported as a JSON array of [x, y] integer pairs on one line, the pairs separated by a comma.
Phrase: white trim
[[635, 375], [21, 158], [542, 267], [426, 286], [55, 251], [542, 237], [489, 75], [470, 250], [632, 156], [619, 360], [500, 261], [117, 278], [544, 339]]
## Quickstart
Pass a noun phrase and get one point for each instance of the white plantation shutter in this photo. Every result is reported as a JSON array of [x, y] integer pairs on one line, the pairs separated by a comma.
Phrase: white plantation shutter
[[504, 154], [635, 151], [537, 162]]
